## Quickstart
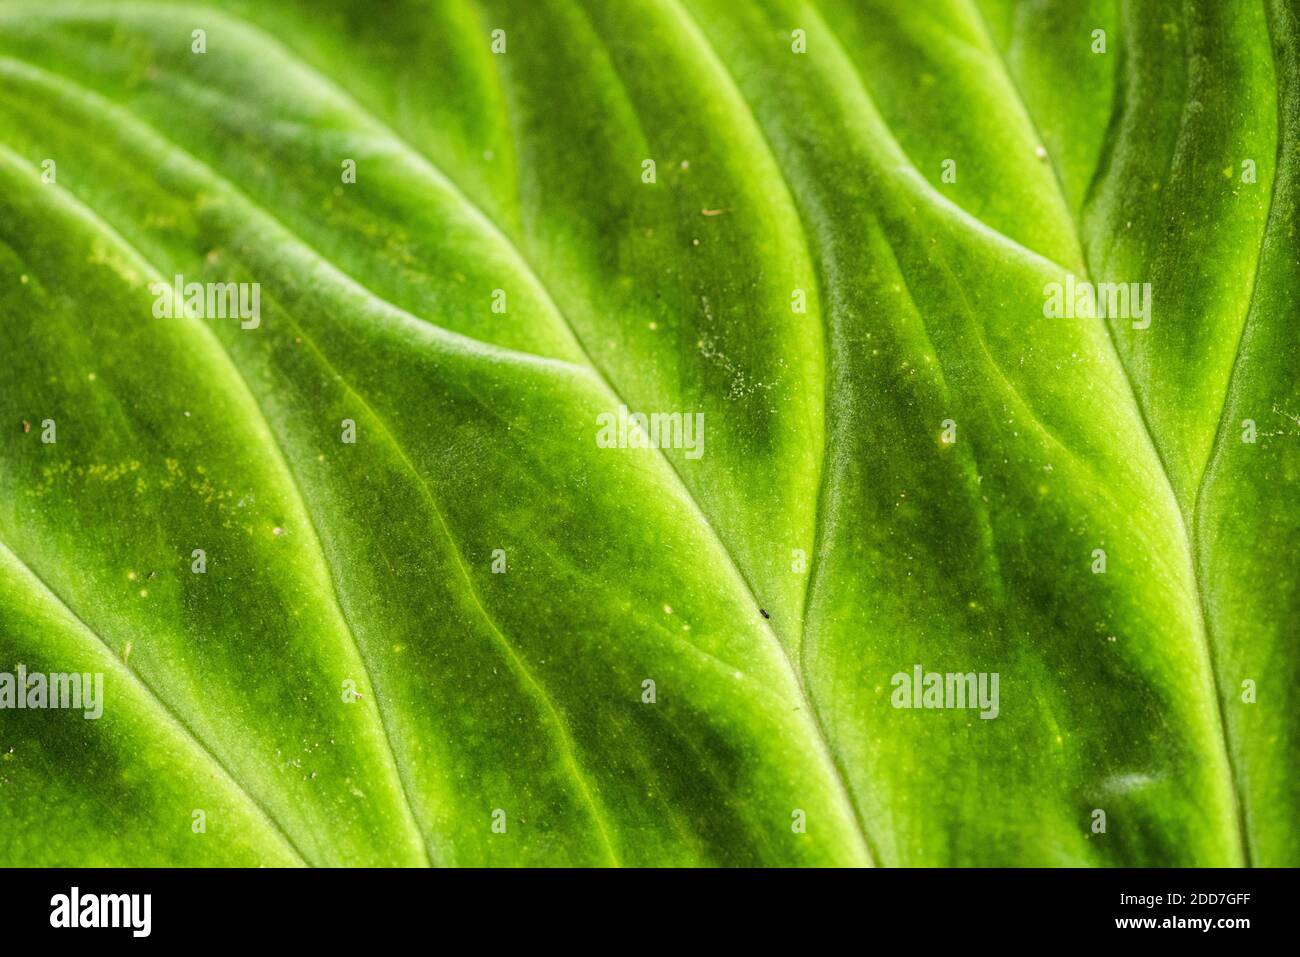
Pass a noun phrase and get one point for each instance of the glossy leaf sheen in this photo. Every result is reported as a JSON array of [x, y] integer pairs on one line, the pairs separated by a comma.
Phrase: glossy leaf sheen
[[776, 171]]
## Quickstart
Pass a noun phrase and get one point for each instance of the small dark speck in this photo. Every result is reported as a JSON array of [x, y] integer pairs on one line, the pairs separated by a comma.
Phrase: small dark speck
[[151, 574], [765, 614]]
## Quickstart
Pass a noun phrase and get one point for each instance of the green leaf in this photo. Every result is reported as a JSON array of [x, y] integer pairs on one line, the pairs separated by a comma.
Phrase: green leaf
[[571, 654]]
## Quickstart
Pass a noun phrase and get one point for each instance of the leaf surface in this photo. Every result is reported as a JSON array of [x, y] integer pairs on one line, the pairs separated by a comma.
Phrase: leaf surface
[[917, 468]]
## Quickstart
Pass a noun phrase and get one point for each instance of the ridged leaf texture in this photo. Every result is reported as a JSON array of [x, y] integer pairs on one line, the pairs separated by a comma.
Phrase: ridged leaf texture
[[916, 468]]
